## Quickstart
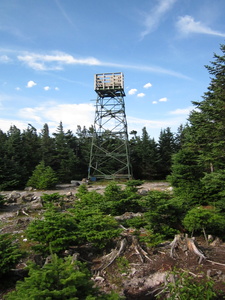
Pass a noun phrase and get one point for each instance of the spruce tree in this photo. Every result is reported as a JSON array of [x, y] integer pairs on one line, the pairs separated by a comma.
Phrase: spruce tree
[[167, 148], [203, 148]]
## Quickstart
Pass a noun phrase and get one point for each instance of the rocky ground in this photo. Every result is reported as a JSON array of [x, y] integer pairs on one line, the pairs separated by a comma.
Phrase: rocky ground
[[129, 269]]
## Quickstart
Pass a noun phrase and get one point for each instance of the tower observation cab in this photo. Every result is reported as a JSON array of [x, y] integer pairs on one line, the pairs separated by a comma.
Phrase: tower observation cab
[[109, 155]]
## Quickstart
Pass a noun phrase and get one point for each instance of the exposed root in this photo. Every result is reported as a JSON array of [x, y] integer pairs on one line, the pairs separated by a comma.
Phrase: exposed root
[[139, 250]]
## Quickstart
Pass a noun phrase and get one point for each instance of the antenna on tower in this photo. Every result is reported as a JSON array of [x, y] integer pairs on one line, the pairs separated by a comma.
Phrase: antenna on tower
[[109, 155]]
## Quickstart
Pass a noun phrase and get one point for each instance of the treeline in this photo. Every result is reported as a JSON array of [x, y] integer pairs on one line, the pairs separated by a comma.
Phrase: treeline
[[68, 154]]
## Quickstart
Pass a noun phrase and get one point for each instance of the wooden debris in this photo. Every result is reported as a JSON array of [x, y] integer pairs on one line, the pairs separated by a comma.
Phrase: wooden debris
[[185, 244]]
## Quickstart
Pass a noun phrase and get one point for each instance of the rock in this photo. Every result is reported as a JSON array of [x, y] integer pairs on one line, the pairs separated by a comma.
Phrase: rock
[[143, 192], [170, 189], [23, 222], [36, 204], [75, 183], [28, 188], [127, 216], [27, 197], [85, 180], [216, 242], [12, 198], [136, 287]]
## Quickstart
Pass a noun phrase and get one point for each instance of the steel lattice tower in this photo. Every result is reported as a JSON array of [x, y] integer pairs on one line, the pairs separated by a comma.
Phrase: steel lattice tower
[[109, 155]]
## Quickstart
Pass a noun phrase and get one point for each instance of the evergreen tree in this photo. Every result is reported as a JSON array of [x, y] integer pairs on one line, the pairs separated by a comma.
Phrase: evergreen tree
[[204, 141], [208, 119], [167, 148], [144, 156], [14, 158], [31, 150], [47, 146], [84, 138], [56, 232], [135, 151], [9, 253], [65, 160], [149, 156], [60, 279], [6, 167], [43, 177]]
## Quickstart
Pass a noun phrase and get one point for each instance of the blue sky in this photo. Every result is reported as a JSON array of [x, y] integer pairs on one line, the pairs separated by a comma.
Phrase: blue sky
[[51, 49]]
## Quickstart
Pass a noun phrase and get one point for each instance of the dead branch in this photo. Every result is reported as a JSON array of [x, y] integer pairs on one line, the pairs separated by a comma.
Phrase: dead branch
[[139, 250], [216, 263], [109, 258]]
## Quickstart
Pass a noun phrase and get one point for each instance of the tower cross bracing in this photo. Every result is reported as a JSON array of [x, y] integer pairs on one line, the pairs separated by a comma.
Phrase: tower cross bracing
[[109, 155]]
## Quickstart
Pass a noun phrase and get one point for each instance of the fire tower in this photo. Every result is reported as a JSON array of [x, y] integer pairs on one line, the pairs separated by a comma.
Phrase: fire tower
[[109, 155]]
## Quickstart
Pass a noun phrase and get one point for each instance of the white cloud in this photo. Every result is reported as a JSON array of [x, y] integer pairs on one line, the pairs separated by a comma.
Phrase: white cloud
[[58, 60], [56, 88], [31, 84], [163, 99], [154, 102], [140, 95], [187, 25], [29, 113], [153, 19], [5, 124], [147, 85], [52, 113], [4, 59], [18, 88], [182, 111], [154, 126], [47, 88], [132, 91], [54, 61]]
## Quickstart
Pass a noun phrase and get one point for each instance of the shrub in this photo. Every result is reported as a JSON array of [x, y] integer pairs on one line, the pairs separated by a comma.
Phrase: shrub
[[113, 192], [57, 230], [2, 200], [9, 253], [60, 279], [160, 212], [43, 177], [50, 199], [118, 201], [137, 222], [184, 286], [82, 190], [132, 184], [95, 227], [205, 218]]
